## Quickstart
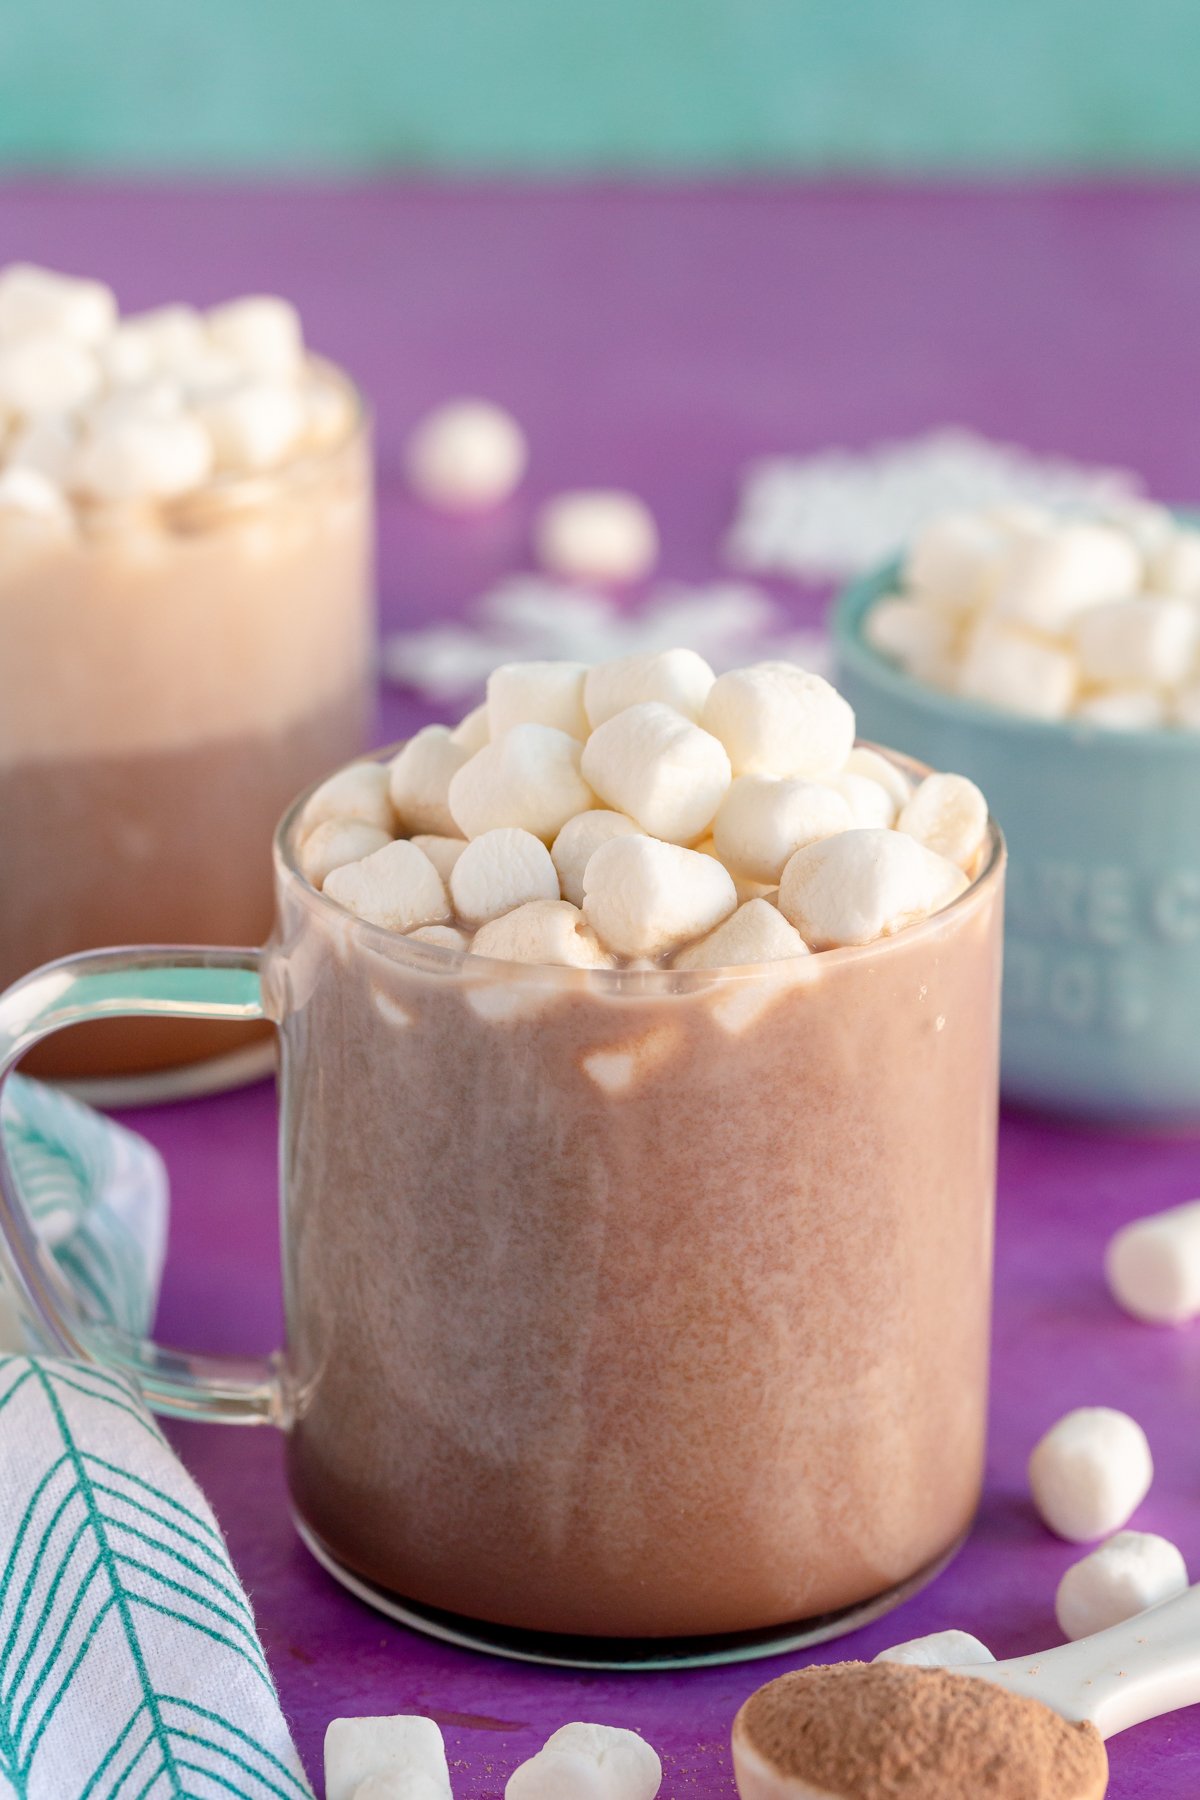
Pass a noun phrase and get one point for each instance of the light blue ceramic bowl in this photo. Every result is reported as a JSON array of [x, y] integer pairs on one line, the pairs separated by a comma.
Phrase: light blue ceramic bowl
[[1102, 943]]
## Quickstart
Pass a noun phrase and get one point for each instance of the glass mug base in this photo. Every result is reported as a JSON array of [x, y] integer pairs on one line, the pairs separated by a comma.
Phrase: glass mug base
[[631, 1655]]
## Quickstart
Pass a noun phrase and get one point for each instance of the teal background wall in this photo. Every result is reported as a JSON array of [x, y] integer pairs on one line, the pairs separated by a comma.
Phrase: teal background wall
[[599, 85]]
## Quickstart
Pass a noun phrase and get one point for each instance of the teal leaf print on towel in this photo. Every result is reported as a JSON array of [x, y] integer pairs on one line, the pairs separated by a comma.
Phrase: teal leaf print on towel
[[130, 1666]]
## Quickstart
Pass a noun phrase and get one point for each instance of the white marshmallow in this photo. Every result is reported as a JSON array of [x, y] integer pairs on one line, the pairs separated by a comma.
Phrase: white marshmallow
[[465, 455], [39, 300], [617, 1069], [1153, 1266], [579, 838], [335, 843], [46, 374], [356, 1749], [46, 444], [588, 1762], [253, 426], [262, 332], [776, 719], [947, 814], [400, 1785], [1133, 1571], [446, 937], [862, 760], [1147, 640], [472, 731], [537, 693], [359, 791], [31, 496], [144, 457], [1125, 709], [1148, 526], [1050, 576], [940, 1650], [763, 820], [529, 778], [542, 931], [912, 634], [419, 778], [679, 678], [397, 887], [1006, 667], [869, 801], [659, 768], [167, 340], [1090, 1472], [954, 560], [744, 886], [500, 870], [211, 372], [443, 852], [643, 897], [600, 535], [1175, 566], [863, 885], [756, 933]]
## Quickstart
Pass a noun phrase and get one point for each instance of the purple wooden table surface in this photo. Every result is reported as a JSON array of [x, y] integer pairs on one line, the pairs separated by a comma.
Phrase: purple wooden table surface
[[657, 339]]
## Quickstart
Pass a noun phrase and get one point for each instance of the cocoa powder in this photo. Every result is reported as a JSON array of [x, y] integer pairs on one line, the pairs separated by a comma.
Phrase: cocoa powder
[[874, 1731]]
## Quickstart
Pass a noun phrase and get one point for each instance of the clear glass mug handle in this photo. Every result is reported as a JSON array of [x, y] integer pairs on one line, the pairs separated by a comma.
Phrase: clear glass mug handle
[[107, 984]]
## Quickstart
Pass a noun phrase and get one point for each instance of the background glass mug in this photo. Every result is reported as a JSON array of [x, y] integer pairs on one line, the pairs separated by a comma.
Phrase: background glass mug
[[631, 1316]]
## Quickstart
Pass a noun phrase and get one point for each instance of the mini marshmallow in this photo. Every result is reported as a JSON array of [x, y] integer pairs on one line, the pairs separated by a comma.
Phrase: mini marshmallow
[[46, 374], [643, 897], [1050, 576], [954, 560], [763, 820], [947, 814], [472, 731], [862, 760], [1131, 1572], [34, 300], [528, 778], [1090, 1472], [1006, 667], [1124, 709], [253, 426], [498, 871], [465, 455], [756, 933], [542, 931], [744, 886], [913, 635], [869, 801], [167, 340], [776, 719], [401, 1747], [443, 852], [537, 693], [46, 444], [1153, 1266], [359, 791], [446, 937], [1147, 640], [419, 780], [1175, 566], [397, 887], [33, 496], [143, 457], [600, 535], [588, 1762], [579, 838], [336, 842], [941, 1650], [679, 678], [659, 768], [262, 332], [863, 885]]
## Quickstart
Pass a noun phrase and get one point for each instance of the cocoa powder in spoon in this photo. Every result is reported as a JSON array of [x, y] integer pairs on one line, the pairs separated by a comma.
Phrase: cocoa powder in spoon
[[878, 1731]]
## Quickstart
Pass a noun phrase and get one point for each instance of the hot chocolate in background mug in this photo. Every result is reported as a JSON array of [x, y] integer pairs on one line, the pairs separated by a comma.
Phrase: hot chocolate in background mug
[[633, 1315]]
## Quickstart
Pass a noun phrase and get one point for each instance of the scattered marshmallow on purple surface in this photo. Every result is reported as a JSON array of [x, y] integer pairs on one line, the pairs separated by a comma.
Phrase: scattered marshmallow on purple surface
[[1090, 1472], [1153, 1266], [588, 1762], [1133, 1571], [466, 455], [406, 1750], [940, 1650]]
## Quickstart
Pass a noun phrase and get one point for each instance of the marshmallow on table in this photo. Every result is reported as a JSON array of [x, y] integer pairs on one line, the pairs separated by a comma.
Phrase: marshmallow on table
[[1133, 1571], [336, 842], [465, 455], [1090, 1472], [776, 719], [262, 331], [34, 299], [862, 760], [401, 1748], [658, 767], [1124, 708], [954, 560], [254, 426], [579, 838], [419, 778], [1148, 640], [912, 634], [643, 897], [443, 852], [1153, 1266], [1007, 667], [869, 801], [542, 931], [756, 933], [596, 535], [537, 693], [588, 1762], [397, 887], [359, 791], [400, 1785], [46, 373], [863, 885], [144, 456], [1048, 577], [679, 678], [764, 819], [528, 778], [941, 1650], [500, 870], [947, 814]]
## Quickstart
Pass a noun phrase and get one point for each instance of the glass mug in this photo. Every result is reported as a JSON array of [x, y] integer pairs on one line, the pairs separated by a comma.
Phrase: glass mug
[[632, 1316]]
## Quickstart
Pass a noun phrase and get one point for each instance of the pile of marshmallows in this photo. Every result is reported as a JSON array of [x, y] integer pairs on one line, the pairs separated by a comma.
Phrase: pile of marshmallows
[[404, 1758], [1053, 616], [96, 408], [643, 812]]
